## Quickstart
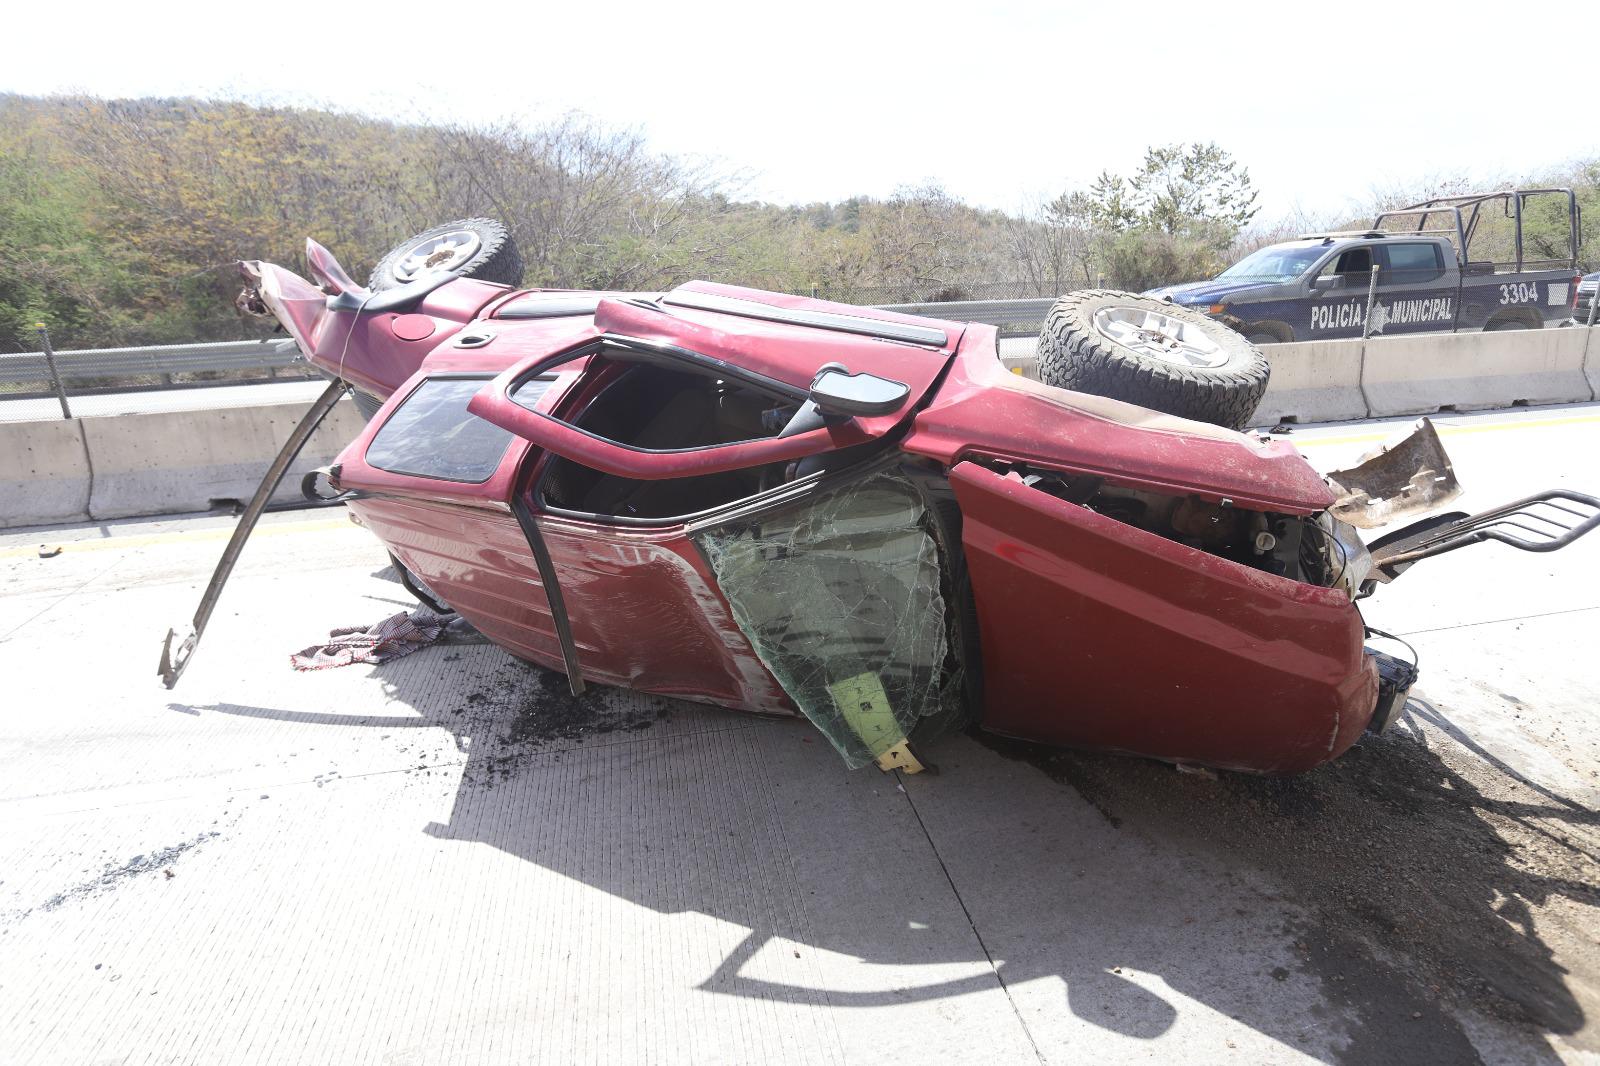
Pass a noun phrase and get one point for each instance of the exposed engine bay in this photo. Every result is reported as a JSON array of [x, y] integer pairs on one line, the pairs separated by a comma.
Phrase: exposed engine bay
[[1316, 550]]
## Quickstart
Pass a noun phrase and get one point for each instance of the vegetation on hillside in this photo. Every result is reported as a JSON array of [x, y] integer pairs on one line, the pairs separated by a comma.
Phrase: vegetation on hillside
[[120, 221]]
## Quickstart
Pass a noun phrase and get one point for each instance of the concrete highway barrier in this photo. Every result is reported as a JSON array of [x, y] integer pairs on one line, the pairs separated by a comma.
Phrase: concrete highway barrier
[[1465, 371], [1313, 381], [1327, 381], [1591, 361], [44, 473], [89, 469], [81, 469]]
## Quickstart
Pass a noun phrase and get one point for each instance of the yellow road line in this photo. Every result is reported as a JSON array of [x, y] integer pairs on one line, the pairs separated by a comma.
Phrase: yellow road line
[[1445, 431], [177, 536]]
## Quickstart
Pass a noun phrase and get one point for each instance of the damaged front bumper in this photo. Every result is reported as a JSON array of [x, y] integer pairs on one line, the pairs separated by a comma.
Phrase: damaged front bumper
[[1408, 478], [1416, 476]]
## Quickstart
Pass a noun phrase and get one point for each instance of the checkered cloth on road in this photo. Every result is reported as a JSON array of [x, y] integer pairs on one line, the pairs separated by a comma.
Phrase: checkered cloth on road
[[395, 636]]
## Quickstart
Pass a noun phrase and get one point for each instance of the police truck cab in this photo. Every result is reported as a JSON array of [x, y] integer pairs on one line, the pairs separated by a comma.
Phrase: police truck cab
[[1321, 286]]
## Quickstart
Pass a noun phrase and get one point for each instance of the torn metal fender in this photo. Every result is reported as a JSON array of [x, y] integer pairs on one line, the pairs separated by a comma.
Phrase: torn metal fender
[[1396, 481], [175, 661]]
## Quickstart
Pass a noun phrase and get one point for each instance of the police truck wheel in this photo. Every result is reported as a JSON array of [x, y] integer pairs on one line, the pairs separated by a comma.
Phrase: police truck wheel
[[1152, 353], [470, 248]]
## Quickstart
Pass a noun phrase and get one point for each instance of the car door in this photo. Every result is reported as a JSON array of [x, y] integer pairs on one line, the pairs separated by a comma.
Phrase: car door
[[1339, 300], [722, 330], [444, 491], [823, 582], [845, 380], [1416, 293], [434, 484]]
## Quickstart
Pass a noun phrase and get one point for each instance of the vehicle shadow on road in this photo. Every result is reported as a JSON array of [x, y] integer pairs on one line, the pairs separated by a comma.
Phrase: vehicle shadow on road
[[1396, 881], [1420, 860]]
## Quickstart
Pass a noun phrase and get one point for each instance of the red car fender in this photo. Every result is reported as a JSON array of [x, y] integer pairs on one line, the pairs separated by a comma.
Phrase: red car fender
[[1097, 634], [376, 352]]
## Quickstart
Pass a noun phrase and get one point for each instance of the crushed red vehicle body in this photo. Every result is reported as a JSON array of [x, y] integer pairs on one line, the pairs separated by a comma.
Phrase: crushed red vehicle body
[[786, 506]]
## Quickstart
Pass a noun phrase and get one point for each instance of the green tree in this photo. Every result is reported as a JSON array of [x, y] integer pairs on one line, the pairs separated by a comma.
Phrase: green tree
[[1173, 220], [1107, 205], [1198, 191]]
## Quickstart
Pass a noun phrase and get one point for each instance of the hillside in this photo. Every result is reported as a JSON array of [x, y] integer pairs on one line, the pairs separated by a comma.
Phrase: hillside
[[120, 220]]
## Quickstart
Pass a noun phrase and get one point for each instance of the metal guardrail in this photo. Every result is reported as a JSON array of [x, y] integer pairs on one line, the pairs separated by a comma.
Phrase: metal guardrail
[[162, 361], [1016, 318]]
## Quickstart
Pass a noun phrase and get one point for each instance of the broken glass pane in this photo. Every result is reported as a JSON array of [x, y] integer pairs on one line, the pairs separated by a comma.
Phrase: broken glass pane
[[842, 597], [433, 435]]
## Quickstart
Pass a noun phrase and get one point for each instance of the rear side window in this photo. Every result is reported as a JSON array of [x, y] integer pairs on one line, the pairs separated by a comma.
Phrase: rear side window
[[433, 435], [1413, 263]]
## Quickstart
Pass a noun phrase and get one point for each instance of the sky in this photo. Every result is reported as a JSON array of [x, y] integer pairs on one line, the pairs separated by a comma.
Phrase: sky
[[1002, 103]]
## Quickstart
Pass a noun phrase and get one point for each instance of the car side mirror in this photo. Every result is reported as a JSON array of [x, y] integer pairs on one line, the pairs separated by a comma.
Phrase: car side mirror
[[837, 391], [1327, 282]]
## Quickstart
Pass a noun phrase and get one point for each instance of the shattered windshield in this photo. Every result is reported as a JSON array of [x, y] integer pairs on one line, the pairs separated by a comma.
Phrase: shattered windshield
[[843, 598]]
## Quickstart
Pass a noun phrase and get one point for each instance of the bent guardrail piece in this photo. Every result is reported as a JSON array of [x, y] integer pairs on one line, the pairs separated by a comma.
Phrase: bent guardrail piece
[[173, 663]]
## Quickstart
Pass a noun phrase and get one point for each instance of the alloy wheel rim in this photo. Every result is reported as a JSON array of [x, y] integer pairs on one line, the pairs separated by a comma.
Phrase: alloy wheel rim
[[447, 251], [1161, 336]]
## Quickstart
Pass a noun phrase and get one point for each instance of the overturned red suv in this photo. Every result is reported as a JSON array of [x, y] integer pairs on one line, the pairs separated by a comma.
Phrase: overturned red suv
[[786, 506]]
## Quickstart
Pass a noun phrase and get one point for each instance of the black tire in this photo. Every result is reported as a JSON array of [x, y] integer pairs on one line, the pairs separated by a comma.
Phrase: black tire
[[496, 258], [414, 585], [365, 402], [1508, 323], [1074, 354], [1261, 338]]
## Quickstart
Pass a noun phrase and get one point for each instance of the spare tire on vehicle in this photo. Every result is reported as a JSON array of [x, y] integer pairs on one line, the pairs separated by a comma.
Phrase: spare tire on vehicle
[[470, 248], [1152, 353]]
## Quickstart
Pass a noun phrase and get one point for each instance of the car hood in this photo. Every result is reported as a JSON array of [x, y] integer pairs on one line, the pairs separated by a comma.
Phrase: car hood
[[1207, 292]]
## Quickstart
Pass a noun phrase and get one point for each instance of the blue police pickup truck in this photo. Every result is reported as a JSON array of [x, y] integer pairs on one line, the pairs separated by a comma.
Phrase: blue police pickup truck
[[1588, 290], [1318, 287]]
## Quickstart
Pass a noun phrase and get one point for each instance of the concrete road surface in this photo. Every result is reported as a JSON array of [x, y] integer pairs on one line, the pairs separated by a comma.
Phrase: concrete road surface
[[448, 860]]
